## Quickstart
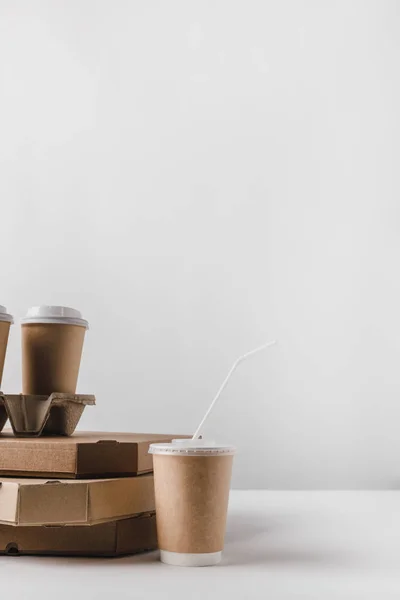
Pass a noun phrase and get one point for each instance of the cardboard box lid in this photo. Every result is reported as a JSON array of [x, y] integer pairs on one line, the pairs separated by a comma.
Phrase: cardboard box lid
[[44, 502], [114, 538], [83, 455]]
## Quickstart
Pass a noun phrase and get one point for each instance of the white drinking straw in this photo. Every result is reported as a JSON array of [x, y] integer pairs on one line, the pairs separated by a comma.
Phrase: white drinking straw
[[227, 378]]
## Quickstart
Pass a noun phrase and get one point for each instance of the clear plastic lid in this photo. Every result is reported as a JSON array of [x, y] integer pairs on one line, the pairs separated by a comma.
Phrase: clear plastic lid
[[4, 316], [187, 447], [54, 314]]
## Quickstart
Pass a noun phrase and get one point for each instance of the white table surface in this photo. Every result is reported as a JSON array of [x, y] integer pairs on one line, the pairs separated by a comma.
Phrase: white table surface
[[279, 545]]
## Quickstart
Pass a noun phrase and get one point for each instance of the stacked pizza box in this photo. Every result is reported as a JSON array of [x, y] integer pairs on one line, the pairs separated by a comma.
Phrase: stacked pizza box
[[64, 492], [88, 494]]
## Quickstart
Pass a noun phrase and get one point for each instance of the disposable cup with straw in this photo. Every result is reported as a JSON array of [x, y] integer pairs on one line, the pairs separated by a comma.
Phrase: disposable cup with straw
[[192, 479]]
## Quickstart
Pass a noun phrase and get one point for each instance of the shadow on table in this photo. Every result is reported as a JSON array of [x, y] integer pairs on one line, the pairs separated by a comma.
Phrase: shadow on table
[[275, 557], [83, 562], [242, 528], [243, 547]]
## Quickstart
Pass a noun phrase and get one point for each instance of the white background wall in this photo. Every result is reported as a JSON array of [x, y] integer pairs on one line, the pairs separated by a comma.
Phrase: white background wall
[[199, 177]]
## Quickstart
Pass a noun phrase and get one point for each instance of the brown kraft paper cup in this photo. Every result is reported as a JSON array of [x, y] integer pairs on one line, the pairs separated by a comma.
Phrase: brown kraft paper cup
[[4, 331], [192, 494], [51, 356]]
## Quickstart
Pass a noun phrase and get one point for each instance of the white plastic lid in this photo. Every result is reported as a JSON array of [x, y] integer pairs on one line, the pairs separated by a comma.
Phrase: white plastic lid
[[54, 314], [192, 448], [4, 316]]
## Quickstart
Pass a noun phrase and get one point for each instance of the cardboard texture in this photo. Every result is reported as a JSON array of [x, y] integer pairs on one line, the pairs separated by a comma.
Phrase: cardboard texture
[[115, 538], [51, 357], [3, 413], [30, 416], [82, 455], [192, 494], [4, 331], [44, 502]]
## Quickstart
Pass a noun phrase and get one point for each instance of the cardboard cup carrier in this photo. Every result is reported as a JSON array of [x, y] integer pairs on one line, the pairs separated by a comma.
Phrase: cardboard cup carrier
[[52, 342], [5, 323], [192, 480]]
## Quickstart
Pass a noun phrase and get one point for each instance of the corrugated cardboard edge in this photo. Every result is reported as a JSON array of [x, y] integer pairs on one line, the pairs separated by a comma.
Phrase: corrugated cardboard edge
[[32, 416]]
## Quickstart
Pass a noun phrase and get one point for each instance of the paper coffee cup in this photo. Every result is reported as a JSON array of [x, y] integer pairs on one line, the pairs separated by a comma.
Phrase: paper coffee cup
[[191, 480], [5, 323], [52, 342]]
